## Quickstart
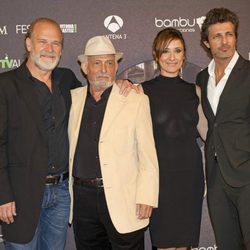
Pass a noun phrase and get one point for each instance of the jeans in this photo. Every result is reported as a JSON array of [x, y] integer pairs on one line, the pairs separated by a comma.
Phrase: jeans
[[51, 232]]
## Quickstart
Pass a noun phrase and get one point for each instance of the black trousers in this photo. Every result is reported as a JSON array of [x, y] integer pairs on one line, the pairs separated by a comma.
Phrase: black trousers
[[229, 209], [93, 227]]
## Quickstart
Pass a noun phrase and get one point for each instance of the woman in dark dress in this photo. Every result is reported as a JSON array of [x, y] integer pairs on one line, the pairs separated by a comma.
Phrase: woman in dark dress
[[177, 118]]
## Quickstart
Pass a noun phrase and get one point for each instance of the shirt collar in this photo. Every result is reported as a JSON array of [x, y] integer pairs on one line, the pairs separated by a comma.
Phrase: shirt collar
[[229, 67], [53, 77], [104, 95]]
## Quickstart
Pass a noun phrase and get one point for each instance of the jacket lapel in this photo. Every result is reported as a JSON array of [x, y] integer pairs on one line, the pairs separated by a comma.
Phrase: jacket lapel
[[75, 118], [114, 106], [28, 94], [232, 81], [61, 80], [206, 105]]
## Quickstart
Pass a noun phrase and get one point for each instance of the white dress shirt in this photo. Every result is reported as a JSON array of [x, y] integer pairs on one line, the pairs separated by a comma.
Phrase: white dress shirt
[[214, 91]]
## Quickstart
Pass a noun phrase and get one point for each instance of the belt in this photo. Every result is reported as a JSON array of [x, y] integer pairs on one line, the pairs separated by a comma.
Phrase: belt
[[55, 179], [95, 182]]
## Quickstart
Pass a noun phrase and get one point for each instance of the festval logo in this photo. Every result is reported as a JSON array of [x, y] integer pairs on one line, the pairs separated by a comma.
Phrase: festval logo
[[3, 30], [113, 23]]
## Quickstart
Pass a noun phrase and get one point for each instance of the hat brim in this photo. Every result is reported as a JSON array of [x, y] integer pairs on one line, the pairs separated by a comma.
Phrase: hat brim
[[83, 58]]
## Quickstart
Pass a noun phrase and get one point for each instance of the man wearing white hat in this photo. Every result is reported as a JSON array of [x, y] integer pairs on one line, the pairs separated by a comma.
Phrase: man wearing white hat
[[113, 162]]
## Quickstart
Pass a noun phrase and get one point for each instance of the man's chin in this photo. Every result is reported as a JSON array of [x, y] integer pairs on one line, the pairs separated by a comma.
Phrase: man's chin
[[47, 66]]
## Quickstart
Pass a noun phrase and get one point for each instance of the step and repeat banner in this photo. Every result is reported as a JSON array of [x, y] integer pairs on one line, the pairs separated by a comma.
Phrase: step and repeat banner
[[132, 26]]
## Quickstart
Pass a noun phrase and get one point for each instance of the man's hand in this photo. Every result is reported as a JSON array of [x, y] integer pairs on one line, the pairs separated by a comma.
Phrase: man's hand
[[7, 212], [143, 211], [126, 86]]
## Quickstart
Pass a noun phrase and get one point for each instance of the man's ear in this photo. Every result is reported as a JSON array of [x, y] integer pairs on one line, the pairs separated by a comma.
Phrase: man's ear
[[116, 66], [84, 67], [28, 44]]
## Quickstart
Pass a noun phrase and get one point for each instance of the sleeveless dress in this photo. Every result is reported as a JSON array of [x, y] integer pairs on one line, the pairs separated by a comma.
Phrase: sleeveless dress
[[174, 103]]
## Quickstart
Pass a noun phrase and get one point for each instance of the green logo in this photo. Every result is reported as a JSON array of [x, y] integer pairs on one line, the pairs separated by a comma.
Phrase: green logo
[[8, 63]]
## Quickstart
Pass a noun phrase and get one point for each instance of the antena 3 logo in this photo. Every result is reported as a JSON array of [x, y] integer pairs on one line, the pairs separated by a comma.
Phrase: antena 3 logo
[[182, 24], [3, 30], [114, 23]]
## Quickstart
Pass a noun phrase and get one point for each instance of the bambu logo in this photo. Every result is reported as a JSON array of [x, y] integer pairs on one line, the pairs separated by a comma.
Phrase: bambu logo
[[182, 24], [200, 21], [176, 22], [113, 23]]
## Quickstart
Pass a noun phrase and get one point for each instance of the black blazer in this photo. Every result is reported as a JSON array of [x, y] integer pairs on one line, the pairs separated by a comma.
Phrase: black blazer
[[24, 149], [229, 131]]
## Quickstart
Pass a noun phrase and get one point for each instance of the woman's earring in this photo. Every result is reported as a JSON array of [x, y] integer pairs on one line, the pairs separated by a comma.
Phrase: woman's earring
[[181, 73]]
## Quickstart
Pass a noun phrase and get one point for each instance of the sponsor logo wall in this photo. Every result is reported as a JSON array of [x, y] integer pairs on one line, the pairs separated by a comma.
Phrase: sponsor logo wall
[[132, 26]]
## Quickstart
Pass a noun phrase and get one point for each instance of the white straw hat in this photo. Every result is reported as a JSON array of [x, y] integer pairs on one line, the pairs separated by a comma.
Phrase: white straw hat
[[99, 45]]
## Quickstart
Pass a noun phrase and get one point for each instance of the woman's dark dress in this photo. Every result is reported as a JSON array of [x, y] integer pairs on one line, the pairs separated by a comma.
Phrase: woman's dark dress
[[174, 103]]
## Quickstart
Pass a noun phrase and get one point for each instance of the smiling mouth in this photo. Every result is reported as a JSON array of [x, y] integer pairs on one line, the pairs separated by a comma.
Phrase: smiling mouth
[[46, 56], [171, 64]]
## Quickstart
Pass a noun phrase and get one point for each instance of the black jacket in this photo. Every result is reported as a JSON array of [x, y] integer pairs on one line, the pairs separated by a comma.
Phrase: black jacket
[[229, 130], [24, 149]]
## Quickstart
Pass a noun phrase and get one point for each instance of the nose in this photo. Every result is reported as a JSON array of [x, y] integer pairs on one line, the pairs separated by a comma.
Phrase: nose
[[104, 68], [49, 47], [224, 39], [172, 56]]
